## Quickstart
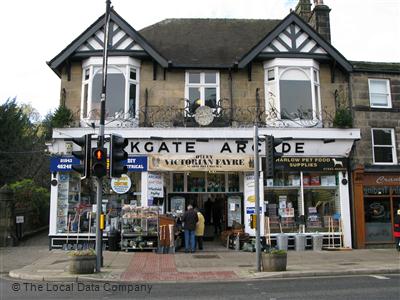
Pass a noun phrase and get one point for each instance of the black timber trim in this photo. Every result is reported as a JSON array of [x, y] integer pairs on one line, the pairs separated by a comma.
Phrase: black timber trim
[[96, 38], [282, 42], [131, 44], [60, 58], [294, 18], [90, 47], [154, 70], [316, 56], [133, 53], [120, 41], [249, 71], [292, 35]]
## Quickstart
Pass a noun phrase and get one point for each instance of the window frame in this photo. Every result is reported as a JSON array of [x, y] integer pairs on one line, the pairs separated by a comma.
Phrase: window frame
[[388, 95], [124, 65], [392, 146], [272, 87], [202, 86]]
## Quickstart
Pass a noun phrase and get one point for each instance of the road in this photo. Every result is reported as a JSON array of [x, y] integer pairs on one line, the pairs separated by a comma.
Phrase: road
[[343, 287]]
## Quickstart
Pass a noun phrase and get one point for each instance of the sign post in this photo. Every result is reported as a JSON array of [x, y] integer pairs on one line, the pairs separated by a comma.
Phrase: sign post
[[257, 194]]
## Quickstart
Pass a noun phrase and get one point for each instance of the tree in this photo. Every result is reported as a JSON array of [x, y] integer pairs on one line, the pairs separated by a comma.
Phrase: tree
[[22, 148], [60, 118]]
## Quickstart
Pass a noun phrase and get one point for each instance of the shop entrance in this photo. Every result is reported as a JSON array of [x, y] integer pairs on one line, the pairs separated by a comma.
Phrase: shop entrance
[[220, 211]]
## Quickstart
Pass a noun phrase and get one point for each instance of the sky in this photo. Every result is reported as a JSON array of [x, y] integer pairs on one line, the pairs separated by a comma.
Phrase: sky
[[33, 32]]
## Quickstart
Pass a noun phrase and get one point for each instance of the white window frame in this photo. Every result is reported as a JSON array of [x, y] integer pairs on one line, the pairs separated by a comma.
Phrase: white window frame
[[388, 95], [123, 64], [202, 85], [280, 66], [392, 146]]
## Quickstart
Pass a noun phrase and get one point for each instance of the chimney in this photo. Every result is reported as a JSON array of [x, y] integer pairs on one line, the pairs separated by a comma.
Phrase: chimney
[[303, 9], [319, 19]]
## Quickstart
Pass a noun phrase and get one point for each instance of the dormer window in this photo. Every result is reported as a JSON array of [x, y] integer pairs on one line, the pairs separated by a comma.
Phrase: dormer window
[[122, 88], [292, 89]]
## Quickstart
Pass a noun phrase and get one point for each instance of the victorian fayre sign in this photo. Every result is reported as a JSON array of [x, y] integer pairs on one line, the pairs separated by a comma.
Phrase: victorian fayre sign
[[238, 163], [311, 163]]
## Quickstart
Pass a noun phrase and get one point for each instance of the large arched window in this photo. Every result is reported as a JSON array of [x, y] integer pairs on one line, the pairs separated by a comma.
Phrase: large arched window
[[122, 88], [292, 89]]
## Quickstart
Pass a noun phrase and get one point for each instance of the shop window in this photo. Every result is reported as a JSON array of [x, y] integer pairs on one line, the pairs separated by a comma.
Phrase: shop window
[[320, 203], [122, 88], [196, 182], [378, 225], [178, 180], [292, 89], [201, 89], [383, 142], [215, 182], [233, 182], [74, 204], [379, 93]]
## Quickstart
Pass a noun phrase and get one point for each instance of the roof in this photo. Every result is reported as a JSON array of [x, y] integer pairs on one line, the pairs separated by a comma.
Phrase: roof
[[375, 67], [206, 42]]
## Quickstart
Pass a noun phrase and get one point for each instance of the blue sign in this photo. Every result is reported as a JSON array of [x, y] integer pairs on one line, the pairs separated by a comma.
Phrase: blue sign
[[65, 163], [250, 210], [136, 163]]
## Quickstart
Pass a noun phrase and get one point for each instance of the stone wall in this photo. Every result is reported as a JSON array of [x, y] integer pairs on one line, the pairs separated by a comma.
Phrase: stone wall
[[72, 87], [366, 117]]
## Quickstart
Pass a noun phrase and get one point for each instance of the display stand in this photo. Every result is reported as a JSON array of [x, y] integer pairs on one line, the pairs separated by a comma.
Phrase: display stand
[[139, 228]]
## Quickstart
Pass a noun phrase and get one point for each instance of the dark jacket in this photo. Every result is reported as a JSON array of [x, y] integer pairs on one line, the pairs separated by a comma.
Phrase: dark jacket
[[190, 219]]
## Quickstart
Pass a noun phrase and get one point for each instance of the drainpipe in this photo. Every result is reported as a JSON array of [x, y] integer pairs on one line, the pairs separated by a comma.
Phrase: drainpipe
[[231, 97]]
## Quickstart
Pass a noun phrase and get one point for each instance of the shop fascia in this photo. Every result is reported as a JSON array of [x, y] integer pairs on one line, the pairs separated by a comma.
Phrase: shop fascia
[[226, 141]]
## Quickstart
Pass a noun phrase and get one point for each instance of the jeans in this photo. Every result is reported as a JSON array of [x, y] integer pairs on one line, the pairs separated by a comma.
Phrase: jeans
[[190, 239]]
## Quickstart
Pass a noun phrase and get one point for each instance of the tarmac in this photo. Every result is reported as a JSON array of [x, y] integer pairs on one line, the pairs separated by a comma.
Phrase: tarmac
[[206, 266]]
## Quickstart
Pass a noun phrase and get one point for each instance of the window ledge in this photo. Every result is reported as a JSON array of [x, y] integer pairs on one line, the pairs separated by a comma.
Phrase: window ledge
[[111, 122]]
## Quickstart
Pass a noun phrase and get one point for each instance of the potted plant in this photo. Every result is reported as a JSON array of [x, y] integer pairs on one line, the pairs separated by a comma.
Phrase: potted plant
[[82, 261], [274, 260], [343, 118]]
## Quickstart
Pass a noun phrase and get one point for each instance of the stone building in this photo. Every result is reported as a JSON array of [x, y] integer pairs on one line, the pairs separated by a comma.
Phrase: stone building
[[375, 94], [186, 93]]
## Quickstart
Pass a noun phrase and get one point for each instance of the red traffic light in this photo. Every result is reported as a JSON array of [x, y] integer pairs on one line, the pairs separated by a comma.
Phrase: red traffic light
[[98, 154]]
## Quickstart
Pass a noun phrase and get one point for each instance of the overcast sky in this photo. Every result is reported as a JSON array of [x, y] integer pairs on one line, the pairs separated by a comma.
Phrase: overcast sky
[[33, 32]]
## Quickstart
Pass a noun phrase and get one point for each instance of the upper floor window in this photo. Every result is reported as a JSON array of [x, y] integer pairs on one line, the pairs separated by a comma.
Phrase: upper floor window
[[122, 88], [201, 88], [292, 89], [384, 146], [379, 93]]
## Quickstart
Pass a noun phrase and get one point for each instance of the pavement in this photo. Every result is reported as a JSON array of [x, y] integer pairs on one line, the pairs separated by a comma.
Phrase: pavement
[[206, 266]]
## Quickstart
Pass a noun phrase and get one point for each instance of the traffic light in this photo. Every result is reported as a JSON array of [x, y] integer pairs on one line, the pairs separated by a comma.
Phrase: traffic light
[[99, 162], [118, 155], [271, 154], [253, 221], [85, 142]]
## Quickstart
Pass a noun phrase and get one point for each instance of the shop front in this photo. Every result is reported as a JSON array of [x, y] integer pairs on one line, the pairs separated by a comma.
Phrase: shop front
[[212, 169], [376, 201]]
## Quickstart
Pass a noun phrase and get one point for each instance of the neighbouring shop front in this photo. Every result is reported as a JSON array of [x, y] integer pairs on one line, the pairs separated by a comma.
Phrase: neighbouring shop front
[[376, 201], [169, 169]]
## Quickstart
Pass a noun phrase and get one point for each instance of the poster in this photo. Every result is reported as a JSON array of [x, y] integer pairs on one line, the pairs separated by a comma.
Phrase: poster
[[155, 185]]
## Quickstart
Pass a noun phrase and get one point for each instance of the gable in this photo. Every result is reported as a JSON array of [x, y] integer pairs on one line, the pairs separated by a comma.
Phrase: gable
[[118, 40], [122, 38], [293, 37], [294, 40]]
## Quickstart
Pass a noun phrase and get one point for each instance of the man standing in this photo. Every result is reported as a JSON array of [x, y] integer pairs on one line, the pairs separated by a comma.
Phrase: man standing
[[189, 220]]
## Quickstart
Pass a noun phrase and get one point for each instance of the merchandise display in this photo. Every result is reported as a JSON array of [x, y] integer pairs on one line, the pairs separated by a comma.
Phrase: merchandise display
[[139, 228]]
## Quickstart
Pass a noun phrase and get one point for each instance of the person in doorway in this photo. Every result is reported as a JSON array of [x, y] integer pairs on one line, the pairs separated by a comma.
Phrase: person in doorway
[[199, 229], [217, 217], [189, 220], [396, 230]]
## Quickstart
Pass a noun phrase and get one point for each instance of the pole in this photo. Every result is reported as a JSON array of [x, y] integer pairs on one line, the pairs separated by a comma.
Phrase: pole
[[257, 194], [100, 144], [99, 242]]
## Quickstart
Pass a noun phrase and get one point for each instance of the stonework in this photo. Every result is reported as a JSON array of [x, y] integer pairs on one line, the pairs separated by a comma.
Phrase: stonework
[[72, 88], [367, 118]]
